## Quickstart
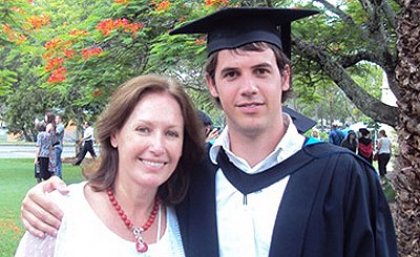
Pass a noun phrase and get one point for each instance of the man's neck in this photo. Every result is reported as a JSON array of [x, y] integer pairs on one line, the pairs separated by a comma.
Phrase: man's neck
[[255, 148]]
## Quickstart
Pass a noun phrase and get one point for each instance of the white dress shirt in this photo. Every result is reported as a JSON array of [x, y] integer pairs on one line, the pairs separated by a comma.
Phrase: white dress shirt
[[245, 229]]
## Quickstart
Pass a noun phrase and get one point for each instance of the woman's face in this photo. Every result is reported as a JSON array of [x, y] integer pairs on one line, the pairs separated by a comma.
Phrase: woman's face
[[150, 142]]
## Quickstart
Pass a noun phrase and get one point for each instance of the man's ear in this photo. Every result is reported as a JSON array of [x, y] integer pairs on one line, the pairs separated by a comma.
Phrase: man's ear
[[211, 85], [285, 76]]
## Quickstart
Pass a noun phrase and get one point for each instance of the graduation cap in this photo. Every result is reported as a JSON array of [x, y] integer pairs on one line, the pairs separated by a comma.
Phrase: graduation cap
[[233, 27], [301, 122], [364, 131]]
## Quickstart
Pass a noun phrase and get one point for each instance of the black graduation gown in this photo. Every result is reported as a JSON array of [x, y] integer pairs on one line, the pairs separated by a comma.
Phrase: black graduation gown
[[333, 206]]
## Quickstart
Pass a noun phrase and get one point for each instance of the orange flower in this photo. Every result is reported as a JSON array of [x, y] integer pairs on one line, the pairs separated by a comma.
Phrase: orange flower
[[108, 25], [21, 39], [78, 32], [38, 21], [121, 2], [8, 226], [88, 53], [12, 35], [58, 75], [216, 2], [200, 41], [105, 26], [47, 55], [134, 27], [53, 43], [54, 63], [121, 23], [69, 53], [7, 29], [163, 6]]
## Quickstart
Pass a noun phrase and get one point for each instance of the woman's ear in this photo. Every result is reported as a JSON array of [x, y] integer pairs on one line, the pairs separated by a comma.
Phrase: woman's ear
[[114, 140]]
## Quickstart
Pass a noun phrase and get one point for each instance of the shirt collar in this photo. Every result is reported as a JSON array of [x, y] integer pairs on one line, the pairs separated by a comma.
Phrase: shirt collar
[[291, 142]]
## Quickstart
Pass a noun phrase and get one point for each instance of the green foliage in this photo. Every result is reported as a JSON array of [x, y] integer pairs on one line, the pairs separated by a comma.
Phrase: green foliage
[[7, 78]]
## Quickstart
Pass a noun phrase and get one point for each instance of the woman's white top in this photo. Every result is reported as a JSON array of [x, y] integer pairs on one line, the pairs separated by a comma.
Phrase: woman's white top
[[82, 233], [385, 145]]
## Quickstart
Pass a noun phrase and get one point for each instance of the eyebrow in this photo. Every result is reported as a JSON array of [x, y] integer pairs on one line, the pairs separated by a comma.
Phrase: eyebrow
[[262, 65], [228, 69]]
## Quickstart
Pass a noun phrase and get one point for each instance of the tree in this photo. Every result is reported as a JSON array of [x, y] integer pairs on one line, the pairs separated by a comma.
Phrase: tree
[[371, 25], [408, 179]]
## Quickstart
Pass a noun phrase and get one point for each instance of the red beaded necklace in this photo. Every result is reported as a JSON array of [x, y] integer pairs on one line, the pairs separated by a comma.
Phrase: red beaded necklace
[[141, 245]]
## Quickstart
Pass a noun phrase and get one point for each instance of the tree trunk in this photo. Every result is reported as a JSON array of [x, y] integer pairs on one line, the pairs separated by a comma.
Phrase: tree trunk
[[407, 182]]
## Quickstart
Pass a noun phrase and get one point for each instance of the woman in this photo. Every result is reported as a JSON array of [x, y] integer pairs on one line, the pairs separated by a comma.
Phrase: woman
[[150, 136], [365, 149], [43, 151], [384, 152], [350, 142]]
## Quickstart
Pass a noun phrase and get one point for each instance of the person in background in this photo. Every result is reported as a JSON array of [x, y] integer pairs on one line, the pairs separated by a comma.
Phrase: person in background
[[39, 151], [210, 132], [345, 129], [43, 151], [315, 134], [384, 152], [52, 156], [59, 131], [350, 142], [88, 140], [264, 189], [335, 136], [150, 137], [365, 148], [49, 118]]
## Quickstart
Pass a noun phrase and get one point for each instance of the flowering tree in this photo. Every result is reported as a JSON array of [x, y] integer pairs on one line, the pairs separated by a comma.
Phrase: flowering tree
[[77, 53]]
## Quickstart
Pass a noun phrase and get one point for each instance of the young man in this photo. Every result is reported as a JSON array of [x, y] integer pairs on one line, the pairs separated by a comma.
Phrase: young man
[[265, 190], [88, 140]]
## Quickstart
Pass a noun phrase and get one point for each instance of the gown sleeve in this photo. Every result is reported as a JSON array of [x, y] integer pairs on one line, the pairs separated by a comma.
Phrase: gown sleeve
[[369, 224]]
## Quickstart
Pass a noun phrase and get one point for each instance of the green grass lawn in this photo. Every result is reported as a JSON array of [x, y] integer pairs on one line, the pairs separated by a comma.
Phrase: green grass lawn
[[16, 177]]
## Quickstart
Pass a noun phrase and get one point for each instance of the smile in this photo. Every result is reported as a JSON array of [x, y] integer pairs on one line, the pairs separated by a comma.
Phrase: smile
[[249, 104], [154, 164]]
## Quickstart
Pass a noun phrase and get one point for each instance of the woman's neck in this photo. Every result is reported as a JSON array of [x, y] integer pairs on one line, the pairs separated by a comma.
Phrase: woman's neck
[[137, 202]]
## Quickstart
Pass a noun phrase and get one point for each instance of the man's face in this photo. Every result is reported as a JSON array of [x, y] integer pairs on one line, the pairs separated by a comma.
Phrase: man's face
[[249, 86]]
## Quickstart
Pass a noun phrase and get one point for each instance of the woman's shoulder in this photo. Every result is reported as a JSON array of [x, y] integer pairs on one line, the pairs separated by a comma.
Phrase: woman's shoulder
[[75, 194]]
